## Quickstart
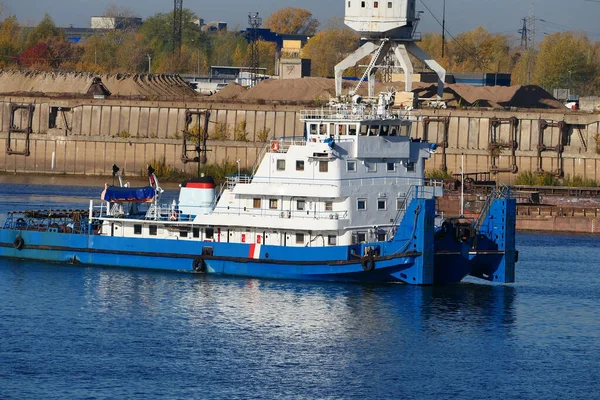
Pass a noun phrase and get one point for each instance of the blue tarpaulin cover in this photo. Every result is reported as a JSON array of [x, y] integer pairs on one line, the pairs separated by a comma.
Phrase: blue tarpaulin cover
[[128, 194]]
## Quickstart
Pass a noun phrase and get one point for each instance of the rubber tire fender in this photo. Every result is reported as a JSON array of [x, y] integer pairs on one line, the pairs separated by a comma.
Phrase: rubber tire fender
[[368, 264], [18, 243], [199, 264]]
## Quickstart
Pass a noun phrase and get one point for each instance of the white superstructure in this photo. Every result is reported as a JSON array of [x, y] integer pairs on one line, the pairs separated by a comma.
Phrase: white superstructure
[[348, 180]]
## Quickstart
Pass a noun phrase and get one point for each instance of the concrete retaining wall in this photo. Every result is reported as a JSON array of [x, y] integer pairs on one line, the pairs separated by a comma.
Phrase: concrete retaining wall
[[91, 135]]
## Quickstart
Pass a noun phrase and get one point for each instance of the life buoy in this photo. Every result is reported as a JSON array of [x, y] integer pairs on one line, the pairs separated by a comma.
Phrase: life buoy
[[275, 146], [199, 264], [368, 264], [173, 216], [18, 243]]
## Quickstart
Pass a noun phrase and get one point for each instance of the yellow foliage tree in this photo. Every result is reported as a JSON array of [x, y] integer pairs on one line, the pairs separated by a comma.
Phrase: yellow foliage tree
[[328, 47], [567, 60], [292, 20]]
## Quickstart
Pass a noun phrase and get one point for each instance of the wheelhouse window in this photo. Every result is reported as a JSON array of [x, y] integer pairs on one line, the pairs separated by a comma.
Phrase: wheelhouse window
[[301, 205], [371, 166], [364, 129], [351, 166], [152, 230], [323, 166], [382, 204], [299, 238], [256, 203], [196, 232], [280, 165], [373, 130], [361, 204], [137, 229], [299, 165], [391, 167], [273, 204]]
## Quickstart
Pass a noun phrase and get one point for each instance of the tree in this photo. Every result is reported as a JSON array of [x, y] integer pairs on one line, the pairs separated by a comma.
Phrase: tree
[[10, 41], [328, 47], [567, 60], [477, 51], [292, 20], [37, 56], [157, 31], [45, 30]]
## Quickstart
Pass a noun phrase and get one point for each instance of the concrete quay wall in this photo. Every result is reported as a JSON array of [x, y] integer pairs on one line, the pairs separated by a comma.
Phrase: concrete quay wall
[[84, 136]]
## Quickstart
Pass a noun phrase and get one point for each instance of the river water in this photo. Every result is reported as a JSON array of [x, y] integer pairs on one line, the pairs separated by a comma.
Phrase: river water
[[72, 332]]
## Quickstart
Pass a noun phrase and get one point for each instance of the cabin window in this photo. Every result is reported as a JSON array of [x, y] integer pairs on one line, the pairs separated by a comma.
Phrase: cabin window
[[299, 165], [280, 165], [384, 130], [373, 130], [381, 237], [342, 130], [273, 204], [391, 167], [256, 203], [399, 203], [329, 206], [364, 129], [137, 229], [196, 232], [331, 240], [394, 131], [348, 4], [299, 238], [322, 129], [410, 167], [323, 166], [301, 205], [183, 234], [351, 166], [352, 130], [312, 129], [361, 204], [382, 204], [389, 4], [210, 233], [376, 4], [370, 166], [152, 230], [362, 4], [361, 237]]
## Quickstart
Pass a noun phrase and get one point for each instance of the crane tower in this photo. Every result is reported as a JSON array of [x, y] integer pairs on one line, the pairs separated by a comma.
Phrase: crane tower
[[385, 27]]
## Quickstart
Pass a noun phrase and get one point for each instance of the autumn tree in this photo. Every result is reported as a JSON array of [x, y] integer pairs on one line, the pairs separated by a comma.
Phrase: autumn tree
[[328, 47], [567, 60], [292, 20], [478, 51], [37, 56], [10, 43], [44, 31]]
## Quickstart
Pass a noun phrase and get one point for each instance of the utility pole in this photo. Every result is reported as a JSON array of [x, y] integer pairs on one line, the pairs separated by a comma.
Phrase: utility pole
[[444, 30], [177, 27], [149, 63]]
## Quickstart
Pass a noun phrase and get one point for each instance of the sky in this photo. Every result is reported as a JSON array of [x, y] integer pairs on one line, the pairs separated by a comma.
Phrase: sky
[[497, 16]]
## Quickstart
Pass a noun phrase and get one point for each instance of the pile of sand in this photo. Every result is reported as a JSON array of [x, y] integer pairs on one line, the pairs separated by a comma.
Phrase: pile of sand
[[144, 86], [230, 92]]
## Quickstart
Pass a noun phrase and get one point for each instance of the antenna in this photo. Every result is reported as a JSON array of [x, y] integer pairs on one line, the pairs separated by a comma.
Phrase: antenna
[[177, 27], [254, 22]]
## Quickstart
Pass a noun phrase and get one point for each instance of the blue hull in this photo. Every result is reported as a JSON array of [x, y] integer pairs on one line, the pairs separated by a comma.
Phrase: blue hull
[[415, 255]]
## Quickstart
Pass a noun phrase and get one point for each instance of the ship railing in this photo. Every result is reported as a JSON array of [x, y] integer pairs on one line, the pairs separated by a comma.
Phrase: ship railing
[[166, 212], [283, 214], [500, 192], [425, 191], [59, 221]]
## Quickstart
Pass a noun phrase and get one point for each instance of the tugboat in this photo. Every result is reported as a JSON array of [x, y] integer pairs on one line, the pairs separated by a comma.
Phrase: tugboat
[[346, 202]]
